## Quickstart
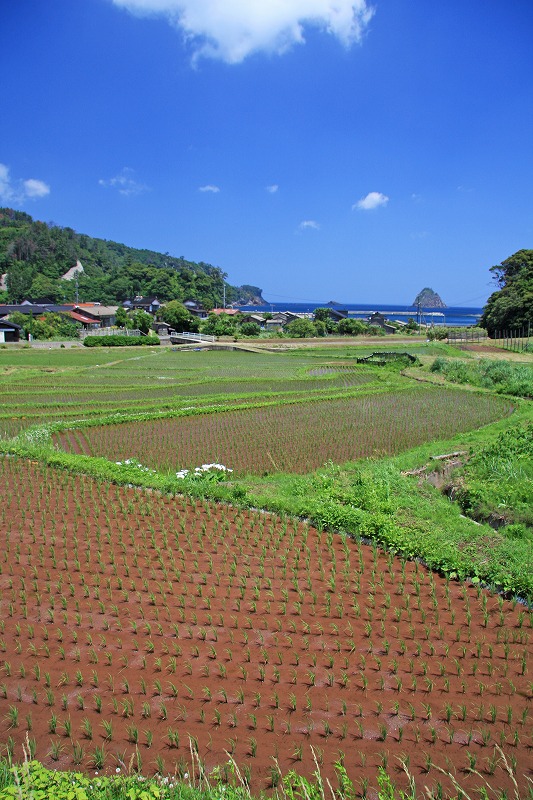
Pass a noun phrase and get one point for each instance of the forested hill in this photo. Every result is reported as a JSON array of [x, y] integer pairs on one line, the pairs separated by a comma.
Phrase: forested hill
[[35, 255]]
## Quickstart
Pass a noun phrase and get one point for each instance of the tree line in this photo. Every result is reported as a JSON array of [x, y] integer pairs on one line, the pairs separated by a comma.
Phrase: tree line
[[35, 255]]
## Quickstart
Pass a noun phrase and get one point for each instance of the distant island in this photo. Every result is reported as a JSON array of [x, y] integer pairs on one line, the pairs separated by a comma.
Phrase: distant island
[[429, 299]]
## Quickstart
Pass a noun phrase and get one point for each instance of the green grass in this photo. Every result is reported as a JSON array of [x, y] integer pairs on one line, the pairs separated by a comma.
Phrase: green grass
[[496, 484], [30, 781], [499, 376]]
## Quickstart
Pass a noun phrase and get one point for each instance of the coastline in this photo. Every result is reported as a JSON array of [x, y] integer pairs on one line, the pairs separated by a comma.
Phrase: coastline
[[449, 316]]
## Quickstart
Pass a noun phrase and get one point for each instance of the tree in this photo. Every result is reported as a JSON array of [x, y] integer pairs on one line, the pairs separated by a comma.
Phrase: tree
[[52, 326], [411, 326], [250, 329], [24, 320], [323, 315], [141, 319], [301, 328], [219, 325], [351, 327], [178, 317], [511, 306], [121, 317], [19, 279], [44, 287]]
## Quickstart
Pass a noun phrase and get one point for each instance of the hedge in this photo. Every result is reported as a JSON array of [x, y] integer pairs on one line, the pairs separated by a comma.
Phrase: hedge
[[120, 341]]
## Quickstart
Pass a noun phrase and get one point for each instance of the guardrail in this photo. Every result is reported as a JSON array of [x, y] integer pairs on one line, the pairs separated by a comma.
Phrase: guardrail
[[193, 337]]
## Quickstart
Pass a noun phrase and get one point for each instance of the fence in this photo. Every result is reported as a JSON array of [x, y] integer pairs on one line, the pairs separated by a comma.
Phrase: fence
[[465, 335], [110, 332], [518, 341]]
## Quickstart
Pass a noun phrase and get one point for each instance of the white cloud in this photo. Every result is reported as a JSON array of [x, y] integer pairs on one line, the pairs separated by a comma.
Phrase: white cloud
[[124, 183], [35, 188], [309, 224], [233, 29], [272, 189], [209, 188], [16, 192], [371, 201]]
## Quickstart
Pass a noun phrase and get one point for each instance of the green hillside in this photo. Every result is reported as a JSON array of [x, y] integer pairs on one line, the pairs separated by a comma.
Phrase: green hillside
[[35, 255]]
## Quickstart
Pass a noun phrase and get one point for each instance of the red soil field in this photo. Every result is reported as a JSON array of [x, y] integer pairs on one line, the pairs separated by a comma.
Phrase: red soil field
[[145, 625]]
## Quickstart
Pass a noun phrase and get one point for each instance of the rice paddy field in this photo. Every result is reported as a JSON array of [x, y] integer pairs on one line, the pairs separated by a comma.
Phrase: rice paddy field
[[145, 628], [296, 437]]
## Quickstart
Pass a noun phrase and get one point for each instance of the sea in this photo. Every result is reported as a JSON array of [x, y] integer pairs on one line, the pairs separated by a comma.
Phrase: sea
[[453, 315]]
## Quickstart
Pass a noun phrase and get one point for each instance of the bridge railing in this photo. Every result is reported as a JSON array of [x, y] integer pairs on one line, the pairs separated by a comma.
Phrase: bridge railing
[[193, 337]]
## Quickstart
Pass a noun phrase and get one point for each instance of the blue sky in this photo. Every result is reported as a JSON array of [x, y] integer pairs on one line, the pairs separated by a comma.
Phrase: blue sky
[[349, 150]]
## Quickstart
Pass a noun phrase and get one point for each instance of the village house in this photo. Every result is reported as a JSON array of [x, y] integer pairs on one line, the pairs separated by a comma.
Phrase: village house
[[336, 314], [103, 316], [35, 309], [161, 328], [251, 317], [377, 318], [149, 304], [196, 309], [282, 318], [230, 312]]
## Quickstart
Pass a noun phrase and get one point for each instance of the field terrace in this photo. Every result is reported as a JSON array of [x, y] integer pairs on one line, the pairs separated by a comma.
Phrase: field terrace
[[137, 627]]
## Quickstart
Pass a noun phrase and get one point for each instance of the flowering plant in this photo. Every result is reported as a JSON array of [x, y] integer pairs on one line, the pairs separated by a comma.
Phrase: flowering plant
[[211, 472]]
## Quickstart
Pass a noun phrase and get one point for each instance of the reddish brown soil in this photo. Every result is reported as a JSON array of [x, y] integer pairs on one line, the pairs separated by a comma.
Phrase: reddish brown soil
[[259, 637]]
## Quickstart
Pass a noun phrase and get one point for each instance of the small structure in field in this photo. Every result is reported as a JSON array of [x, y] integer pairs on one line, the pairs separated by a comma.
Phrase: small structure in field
[[9, 331]]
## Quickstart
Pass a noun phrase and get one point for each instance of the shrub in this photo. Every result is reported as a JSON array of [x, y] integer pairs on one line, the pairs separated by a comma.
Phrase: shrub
[[437, 334], [120, 341], [500, 376], [250, 329]]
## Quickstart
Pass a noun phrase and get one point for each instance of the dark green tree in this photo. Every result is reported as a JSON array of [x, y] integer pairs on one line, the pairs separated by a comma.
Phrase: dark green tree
[[53, 326], [219, 325], [511, 306], [323, 315], [24, 320], [301, 328], [141, 319], [19, 280], [249, 329], [351, 327], [43, 287], [178, 317], [121, 318]]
